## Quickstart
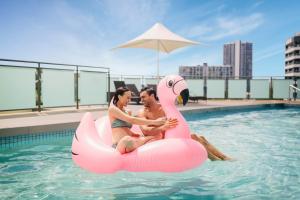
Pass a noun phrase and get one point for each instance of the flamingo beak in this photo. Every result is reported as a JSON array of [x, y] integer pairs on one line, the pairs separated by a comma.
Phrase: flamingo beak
[[184, 94]]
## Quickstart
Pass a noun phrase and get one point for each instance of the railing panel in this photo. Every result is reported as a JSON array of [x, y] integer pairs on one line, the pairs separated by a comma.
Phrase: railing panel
[[136, 81], [195, 87], [112, 85], [150, 81], [237, 89], [92, 87], [259, 89], [215, 88], [57, 88], [281, 89], [17, 88]]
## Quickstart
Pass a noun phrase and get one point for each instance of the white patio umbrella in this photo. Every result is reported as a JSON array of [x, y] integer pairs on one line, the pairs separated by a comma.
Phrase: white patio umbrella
[[158, 38]]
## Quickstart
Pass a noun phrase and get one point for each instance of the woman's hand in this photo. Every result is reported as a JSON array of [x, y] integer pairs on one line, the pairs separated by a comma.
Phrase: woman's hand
[[132, 134], [170, 123]]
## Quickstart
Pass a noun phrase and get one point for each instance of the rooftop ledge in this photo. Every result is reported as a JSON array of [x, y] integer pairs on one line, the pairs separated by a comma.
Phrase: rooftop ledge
[[54, 120]]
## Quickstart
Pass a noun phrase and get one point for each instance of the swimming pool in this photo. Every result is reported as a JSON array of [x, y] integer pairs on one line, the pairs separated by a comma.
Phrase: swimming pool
[[264, 142]]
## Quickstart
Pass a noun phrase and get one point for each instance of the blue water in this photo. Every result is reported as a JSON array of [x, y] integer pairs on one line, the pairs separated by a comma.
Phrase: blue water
[[265, 143]]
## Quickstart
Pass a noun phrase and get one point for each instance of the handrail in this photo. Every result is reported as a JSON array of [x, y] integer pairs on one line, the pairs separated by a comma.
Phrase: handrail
[[295, 88], [49, 63], [291, 86]]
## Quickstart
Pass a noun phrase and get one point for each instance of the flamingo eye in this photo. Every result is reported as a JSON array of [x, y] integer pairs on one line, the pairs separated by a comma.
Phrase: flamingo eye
[[170, 83]]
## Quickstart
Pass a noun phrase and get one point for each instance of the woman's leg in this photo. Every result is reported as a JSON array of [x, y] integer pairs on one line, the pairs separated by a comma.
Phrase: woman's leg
[[128, 144], [213, 152]]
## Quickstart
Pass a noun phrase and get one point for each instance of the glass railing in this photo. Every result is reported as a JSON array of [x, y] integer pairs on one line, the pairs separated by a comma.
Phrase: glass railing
[[38, 85], [17, 88], [260, 88], [237, 89], [140, 81]]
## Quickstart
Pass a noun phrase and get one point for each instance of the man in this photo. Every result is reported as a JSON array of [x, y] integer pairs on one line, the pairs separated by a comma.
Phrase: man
[[153, 110]]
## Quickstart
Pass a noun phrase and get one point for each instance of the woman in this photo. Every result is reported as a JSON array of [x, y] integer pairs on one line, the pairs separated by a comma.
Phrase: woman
[[123, 139]]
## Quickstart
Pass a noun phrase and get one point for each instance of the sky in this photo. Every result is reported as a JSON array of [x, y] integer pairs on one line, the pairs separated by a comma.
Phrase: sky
[[85, 32]]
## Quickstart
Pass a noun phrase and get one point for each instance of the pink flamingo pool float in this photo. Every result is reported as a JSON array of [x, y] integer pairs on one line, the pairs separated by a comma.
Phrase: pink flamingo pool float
[[91, 147]]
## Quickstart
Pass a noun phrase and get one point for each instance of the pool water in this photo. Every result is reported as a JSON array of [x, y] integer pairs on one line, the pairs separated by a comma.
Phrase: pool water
[[265, 143]]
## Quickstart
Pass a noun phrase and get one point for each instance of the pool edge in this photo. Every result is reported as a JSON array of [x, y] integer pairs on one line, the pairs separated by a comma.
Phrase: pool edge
[[5, 132]]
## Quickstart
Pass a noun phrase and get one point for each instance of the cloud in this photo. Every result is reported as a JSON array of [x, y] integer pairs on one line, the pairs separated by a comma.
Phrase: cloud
[[85, 32], [223, 27], [256, 4], [133, 15], [90, 41], [269, 52]]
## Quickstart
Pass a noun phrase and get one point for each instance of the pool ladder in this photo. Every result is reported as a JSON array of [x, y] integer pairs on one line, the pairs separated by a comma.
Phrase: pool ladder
[[294, 88]]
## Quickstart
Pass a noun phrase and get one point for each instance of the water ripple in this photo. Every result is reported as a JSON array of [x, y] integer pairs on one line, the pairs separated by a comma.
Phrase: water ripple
[[264, 142]]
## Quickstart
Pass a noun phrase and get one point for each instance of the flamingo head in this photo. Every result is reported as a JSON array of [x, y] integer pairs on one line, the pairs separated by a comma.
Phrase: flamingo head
[[170, 87]]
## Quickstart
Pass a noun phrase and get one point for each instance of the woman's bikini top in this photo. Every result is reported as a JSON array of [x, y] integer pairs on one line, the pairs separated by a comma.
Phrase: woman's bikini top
[[117, 123]]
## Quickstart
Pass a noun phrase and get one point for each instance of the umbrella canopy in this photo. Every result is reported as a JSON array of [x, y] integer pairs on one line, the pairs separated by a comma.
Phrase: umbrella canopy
[[158, 38]]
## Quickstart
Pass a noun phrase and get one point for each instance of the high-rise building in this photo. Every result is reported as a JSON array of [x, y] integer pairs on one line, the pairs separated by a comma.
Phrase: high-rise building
[[239, 56], [292, 57], [201, 71]]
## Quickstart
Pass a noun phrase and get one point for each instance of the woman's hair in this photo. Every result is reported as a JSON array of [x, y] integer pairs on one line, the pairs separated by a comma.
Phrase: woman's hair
[[150, 91], [119, 91]]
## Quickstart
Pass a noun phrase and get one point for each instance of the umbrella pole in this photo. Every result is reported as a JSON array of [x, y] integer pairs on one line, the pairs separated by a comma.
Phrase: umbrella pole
[[157, 62]]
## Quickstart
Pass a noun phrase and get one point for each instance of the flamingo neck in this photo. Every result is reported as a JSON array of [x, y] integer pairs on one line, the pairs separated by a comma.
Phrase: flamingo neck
[[170, 110], [182, 129]]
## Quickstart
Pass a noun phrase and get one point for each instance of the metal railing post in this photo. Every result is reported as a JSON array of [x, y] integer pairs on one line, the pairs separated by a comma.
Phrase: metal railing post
[[290, 93], [108, 92], [77, 88], [271, 88], [226, 88], [248, 88], [39, 87], [205, 87]]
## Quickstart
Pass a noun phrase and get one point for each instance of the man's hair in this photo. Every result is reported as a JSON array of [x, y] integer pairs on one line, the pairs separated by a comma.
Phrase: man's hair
[[150, 91]]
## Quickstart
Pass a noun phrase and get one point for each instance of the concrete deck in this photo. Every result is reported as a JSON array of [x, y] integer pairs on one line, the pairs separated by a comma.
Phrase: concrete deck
[[27, 122]]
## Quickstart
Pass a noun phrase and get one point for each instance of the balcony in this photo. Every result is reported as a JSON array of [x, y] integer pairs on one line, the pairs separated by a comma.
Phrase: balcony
[[291, 49], [292, 57], [290, 66], [297, 74]]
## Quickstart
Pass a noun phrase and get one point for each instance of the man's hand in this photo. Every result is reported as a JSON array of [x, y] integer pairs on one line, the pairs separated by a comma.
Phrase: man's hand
[[160, 121], [170, 123]]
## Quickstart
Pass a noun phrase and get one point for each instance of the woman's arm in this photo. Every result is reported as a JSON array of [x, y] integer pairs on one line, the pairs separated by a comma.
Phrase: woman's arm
[[151, 130], [154, 130], [117, 113]]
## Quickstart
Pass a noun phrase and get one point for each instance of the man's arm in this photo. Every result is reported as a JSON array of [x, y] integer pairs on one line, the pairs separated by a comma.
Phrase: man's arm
[[151, 130], [154, 130], [148, 130]]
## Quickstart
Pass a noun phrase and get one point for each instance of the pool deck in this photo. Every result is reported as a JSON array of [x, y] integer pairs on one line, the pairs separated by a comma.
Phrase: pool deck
[[28, 122]]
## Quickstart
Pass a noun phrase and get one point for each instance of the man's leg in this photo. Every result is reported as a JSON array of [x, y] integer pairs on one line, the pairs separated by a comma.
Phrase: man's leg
[[213, 152]]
